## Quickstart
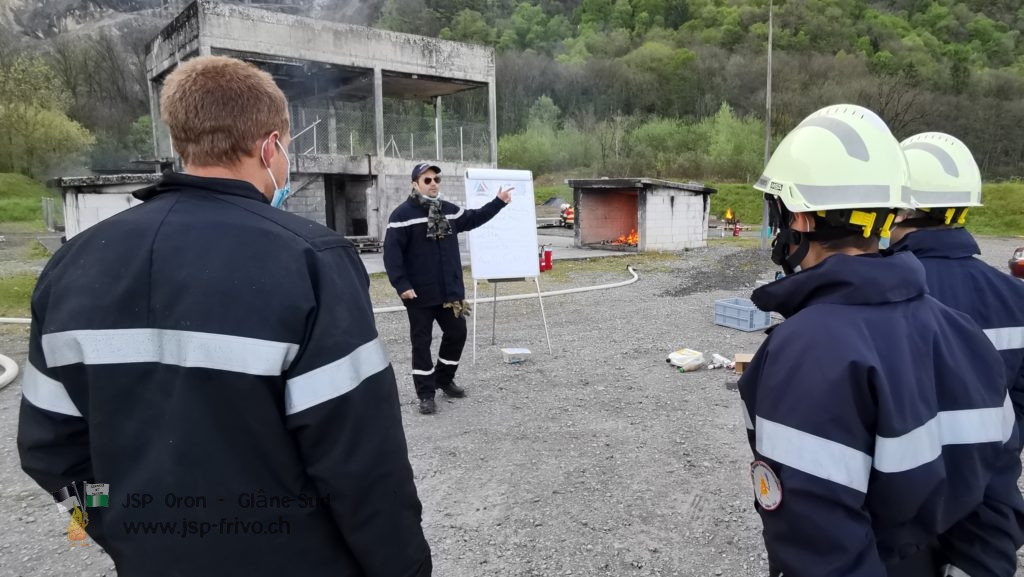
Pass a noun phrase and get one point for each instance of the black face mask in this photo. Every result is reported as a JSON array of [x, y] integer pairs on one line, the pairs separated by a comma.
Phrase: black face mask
[[782, 219]]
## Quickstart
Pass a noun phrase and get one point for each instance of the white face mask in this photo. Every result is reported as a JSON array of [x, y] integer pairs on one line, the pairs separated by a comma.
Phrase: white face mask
[[280, 194], [883, 243]]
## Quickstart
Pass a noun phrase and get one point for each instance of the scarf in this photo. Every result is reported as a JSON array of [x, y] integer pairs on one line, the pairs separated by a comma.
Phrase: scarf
[[438, 226]]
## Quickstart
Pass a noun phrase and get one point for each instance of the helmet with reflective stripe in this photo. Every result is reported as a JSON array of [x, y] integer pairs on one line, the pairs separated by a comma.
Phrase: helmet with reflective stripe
[[840, 157], [943, 173]]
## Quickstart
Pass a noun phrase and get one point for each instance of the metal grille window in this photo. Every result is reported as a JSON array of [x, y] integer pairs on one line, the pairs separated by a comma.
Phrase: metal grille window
[[344, 123], [411, 127], [336, 127]]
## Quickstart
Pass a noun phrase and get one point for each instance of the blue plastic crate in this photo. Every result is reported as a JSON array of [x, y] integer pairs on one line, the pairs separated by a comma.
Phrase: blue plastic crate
[[741, 314]]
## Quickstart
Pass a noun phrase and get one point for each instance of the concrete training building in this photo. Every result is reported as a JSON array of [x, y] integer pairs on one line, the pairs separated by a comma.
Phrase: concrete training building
[[365, 105]]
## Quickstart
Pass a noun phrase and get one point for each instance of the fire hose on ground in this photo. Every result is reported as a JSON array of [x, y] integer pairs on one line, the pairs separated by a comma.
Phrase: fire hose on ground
[[10, 371], [584, 289]]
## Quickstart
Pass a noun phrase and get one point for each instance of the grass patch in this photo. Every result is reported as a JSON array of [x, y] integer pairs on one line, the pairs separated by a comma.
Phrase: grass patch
[[565, 271], [21, 209], [741, 241], [16, 295], [744, 201], [1003, 213], [36, 251], [20, 198]]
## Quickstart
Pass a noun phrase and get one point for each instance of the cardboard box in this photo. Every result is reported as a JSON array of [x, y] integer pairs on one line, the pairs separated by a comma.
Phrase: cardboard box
[[742, 360]]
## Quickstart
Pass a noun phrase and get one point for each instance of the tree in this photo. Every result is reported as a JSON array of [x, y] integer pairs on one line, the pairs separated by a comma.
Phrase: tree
[[622, 15], [660, 144], [544, 114], [735, 145], [530, 28], [596, 13], [411, 16], [897, 99], [470, 26], [662, 74], [33, 107]]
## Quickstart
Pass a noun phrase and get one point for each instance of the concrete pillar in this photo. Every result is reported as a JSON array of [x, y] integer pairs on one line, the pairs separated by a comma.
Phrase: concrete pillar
[[493, 114], [437, 128], [378, 109], [332, 129], [154, 115]]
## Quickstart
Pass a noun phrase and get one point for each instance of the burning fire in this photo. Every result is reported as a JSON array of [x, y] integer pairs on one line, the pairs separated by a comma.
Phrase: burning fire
[[728, 213], [632, 238]]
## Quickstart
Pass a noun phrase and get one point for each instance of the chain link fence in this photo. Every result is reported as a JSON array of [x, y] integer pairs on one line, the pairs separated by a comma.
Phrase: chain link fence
[[339, 127], [410, 128], [53, 214]]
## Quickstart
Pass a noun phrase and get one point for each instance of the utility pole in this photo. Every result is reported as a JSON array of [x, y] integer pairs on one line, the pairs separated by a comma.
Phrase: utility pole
[[765, 230]]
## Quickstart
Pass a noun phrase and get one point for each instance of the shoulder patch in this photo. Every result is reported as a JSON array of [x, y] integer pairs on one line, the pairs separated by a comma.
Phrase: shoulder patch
[[767, 488]]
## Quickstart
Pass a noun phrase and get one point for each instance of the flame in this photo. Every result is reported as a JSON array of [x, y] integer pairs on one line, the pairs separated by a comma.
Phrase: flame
[[728, 213], [632, 238]]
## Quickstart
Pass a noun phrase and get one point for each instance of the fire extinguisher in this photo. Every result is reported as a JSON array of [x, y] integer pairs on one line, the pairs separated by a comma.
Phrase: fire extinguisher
[[545, 258]]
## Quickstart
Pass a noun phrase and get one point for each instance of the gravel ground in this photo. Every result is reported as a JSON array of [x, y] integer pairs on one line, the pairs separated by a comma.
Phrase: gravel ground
[[15, 253], [598, 459]]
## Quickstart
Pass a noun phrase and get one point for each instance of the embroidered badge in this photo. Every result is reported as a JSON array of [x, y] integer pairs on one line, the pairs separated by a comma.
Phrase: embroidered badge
[[767, 489]]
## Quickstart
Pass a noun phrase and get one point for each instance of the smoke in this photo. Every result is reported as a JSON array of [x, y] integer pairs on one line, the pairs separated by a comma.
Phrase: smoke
[[348, 11]]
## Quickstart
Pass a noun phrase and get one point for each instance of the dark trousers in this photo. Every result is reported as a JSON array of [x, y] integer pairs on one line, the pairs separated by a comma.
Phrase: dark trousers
[[923, 563], [426, 375], [920, 564]]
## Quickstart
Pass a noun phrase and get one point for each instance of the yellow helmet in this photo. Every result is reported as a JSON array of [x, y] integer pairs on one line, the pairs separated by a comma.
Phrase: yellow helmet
[[840, 157], [943, 173]]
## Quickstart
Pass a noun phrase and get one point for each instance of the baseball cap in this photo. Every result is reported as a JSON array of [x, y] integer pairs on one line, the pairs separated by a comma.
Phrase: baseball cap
[[423, 167]]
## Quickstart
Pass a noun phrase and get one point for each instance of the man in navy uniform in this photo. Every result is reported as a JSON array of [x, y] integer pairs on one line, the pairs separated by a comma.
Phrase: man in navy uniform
[[945, 183], [883, 435], [205, 343], [421, 256]]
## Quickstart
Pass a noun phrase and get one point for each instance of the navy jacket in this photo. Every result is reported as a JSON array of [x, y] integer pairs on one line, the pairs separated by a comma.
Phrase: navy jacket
[[994, 300], [433, 268], [205, 344], [886, 417]]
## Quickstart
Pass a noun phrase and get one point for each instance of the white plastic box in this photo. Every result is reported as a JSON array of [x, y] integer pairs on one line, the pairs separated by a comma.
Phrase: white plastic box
[[515, 355], [741, 314]]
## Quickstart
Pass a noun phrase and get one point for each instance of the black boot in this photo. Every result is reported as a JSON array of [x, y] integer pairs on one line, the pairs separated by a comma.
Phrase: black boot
[[453, 390], [428, 406]]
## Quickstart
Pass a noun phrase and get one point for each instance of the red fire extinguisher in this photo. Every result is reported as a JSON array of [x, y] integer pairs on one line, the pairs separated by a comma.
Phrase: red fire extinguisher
[[545, 259]]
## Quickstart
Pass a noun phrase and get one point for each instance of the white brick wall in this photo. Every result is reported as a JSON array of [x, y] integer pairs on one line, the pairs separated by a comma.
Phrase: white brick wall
[[673, 220], [82, 210]]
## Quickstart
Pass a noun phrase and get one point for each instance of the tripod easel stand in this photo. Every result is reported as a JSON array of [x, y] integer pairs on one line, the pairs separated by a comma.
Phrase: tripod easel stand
[[494, 307]]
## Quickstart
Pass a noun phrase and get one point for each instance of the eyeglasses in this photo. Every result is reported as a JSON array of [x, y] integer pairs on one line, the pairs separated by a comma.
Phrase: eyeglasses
[[428, 180]]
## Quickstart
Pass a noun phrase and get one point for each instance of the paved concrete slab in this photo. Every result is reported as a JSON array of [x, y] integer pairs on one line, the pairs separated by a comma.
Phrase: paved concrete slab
[[51, 242]]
